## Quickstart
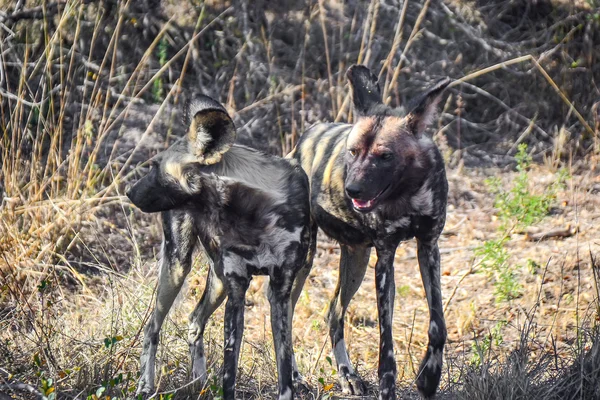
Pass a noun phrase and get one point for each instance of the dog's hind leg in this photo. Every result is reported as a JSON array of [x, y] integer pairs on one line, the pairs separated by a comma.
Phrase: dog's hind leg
[[431, 368], [281, 324], [213, 296], [177, 248], [353, 265], [297, 291], [236, 285]]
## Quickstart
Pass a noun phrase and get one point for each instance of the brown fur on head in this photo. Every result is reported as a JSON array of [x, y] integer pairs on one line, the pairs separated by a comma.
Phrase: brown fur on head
[[385, 146]]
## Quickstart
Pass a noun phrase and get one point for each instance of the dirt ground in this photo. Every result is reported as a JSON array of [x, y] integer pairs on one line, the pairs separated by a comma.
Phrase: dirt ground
[[78, 261], [556, 296]]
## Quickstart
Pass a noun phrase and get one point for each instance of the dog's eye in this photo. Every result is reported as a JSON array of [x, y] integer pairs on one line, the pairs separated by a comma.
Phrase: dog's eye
[[353, 152], [387, 156]]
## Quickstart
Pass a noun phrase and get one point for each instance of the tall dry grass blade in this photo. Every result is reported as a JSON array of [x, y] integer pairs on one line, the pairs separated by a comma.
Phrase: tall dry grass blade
[[365, 33], [372, 29], [260, 103], [517, 60], [167, 65], [409, 43], [103, 130], [385, 68], [491, 68], [563, 96], [116, 179], [327, 57]]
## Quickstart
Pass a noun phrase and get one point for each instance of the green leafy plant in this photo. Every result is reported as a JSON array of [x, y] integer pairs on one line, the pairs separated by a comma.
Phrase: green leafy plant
[[518, 208], [483, 347], [47, 388], [494, 261], [214, 390], [158, 92], [325, 380], [111, 341]]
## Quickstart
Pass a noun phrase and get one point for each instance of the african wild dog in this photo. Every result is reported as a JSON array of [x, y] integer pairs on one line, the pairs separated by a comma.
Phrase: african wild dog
[[250, 212], [374, 184]]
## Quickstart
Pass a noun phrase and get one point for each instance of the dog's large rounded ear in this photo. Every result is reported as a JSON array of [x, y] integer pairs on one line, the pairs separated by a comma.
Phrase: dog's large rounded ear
[[211, 130], [365, 89], [424, 108]]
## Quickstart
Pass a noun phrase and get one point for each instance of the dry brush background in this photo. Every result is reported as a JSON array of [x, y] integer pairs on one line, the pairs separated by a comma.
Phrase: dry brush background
[[89, 90]]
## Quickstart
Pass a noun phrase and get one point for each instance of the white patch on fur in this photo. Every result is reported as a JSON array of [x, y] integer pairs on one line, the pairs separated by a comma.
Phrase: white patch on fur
[[203, 137], [425, 141], [341, 356], [271, 252], [435, 360], [393, 226], [286, 395], [148, 361], [433, 328], [422, 201], [199, 369], [382, 283], [234, 264]]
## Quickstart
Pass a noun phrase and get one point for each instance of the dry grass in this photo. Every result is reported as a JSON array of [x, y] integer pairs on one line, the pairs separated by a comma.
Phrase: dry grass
[[90, 91]]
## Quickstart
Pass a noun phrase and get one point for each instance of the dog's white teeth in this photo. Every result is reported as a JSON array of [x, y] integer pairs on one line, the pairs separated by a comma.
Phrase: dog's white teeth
[[360, 204]]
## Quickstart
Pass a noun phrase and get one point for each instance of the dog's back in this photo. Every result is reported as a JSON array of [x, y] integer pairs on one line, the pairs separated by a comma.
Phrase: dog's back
[[281, 178]]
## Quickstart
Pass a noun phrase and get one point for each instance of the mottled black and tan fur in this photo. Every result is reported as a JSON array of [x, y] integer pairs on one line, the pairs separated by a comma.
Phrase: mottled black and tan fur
[[250, 213], [377, 183]]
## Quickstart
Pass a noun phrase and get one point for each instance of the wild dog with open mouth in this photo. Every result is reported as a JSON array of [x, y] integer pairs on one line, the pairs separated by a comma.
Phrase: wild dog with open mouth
[[250, 213], [374, 184]]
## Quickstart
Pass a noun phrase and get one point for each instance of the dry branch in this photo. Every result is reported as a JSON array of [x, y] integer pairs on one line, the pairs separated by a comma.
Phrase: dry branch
[[37, 12], [21, 387], [555, 233]]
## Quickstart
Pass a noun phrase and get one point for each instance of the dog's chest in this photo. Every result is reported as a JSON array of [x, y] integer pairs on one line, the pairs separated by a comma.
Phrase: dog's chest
[[398, 219]]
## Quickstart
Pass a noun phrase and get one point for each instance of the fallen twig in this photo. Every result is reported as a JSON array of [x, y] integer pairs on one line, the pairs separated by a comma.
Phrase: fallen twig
[[562, 233], [21, 387], [462, 278]]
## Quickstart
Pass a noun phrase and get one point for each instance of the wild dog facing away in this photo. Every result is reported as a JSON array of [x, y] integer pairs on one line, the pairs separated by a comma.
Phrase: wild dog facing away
[[250, 213], [374, 184]]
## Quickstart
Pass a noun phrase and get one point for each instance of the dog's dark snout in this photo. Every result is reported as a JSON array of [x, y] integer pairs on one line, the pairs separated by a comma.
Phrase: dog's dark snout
[[353, 190]]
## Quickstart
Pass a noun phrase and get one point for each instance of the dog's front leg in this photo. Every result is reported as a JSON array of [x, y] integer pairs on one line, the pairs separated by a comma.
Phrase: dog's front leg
[[385, 287], [431, 368], [176, 260], [234, 328]]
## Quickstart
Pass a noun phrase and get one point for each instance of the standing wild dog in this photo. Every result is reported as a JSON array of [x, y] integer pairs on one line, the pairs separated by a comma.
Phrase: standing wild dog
[[374, 184], [250, 212]]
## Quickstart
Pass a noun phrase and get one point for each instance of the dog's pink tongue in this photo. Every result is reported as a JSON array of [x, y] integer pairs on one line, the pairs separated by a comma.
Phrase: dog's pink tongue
[[362, 203]]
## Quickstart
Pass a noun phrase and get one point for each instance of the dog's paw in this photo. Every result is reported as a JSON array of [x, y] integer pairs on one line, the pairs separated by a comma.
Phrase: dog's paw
[[430, 374], [352, 384], [301, 385], [144, 391]]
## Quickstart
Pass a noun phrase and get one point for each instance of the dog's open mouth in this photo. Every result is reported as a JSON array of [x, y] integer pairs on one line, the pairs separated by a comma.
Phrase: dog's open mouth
[[367, 205]]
